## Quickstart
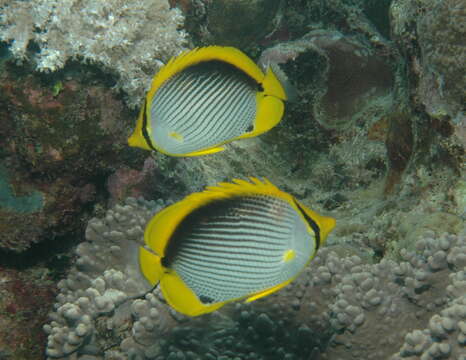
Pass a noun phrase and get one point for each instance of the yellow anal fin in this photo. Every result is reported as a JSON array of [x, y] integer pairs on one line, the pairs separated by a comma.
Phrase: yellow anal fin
[[137, 140], [181, 298], [267, 291], [208, 151]]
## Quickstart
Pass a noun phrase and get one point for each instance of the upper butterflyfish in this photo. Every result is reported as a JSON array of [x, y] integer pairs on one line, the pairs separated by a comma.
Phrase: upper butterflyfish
[[239, 240], [207, 97]]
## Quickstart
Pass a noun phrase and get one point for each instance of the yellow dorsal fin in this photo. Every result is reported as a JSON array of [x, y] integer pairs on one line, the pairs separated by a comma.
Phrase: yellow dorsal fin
[[240, 187]]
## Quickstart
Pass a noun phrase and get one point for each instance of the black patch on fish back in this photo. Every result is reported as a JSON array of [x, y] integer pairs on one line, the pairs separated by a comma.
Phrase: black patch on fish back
[[228, 209], [184, 228], [311, 223], [206, 68]]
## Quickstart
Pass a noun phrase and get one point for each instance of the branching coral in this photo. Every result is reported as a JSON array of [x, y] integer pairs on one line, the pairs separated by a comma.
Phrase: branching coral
[[131, 38]]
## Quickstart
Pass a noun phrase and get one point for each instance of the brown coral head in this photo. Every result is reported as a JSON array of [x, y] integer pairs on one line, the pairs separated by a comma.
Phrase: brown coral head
[[354, 77]]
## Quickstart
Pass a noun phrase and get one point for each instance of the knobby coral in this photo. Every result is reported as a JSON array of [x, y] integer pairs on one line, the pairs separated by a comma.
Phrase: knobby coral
[[131, 38], [341, 307]]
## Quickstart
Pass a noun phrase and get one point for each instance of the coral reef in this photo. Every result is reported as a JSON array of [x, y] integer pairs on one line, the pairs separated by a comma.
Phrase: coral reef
[[28, 203], [355, 157], [131, 39], [26, 297], [392, 298], [240, 22], [438, 340], [436, 35], [368, 18], [381, 150], [126, 182], [103, 283], [341, 307], [431, 35], [57, 147], [342, 78]]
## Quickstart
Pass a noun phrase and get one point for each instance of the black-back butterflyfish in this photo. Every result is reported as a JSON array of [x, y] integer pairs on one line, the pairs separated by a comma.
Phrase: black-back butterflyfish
[[239, 240], [205, 98]]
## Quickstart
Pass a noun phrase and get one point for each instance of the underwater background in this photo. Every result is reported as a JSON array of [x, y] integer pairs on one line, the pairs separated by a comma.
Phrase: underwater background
[[375, 139]]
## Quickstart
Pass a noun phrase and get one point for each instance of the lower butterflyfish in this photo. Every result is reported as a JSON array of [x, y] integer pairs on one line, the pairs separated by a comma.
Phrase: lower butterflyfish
[[234, 241]]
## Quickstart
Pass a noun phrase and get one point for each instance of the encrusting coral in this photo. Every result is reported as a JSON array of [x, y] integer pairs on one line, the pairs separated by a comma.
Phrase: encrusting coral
[[340, 307], [131, 38]]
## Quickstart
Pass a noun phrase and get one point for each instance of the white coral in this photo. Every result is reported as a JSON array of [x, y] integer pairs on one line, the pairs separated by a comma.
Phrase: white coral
[[131, 38]]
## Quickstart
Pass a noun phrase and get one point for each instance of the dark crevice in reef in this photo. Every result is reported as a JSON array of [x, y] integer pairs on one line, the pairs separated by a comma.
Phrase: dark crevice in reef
[[51, 253]]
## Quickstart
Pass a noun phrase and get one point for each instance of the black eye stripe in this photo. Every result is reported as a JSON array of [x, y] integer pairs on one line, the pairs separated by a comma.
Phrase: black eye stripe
[[311, 223], [145, 134]]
